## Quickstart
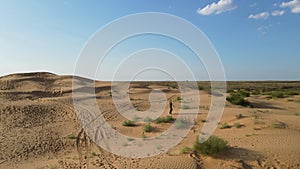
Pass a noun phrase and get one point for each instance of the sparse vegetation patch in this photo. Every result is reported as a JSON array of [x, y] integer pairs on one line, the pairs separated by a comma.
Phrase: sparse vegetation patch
[[279, 125], [239, 116], [225, 126], [71, 136], [238, 98], [178, 98], [277, 94], [237, 125], [128, 123], [148, 119], [185, 150], [130, 139], [166, 119], [148, 128], [210, 147]]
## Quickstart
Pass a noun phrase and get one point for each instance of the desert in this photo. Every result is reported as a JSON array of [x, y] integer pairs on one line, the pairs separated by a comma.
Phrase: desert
[[39, 127]]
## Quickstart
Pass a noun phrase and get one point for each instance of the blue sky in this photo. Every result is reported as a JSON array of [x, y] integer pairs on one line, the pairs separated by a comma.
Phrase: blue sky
[[256, 40]]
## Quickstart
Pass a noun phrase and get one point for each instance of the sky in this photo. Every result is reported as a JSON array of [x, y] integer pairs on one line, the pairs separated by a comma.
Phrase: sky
[[255, 39]]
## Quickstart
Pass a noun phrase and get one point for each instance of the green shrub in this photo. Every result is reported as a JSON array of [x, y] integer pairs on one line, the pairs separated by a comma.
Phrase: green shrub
[[148, 119], [238, 99], [279, 125], [237, 125], [71, 136], [166, 119], [244, 93], [276, 94], [248, 135], [239, 116], [173, 86], [130, 139], [203, 120], [148, 128], [255, 92], [200, 88], [211, 146], [291, 93], [93, 154], [225, 126], [128, 123], [178, 98], [185, 150]]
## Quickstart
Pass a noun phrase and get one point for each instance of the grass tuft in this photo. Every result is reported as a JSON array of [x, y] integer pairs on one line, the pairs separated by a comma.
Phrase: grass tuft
[[148, 119], [279, 125], [225, 126], [71, 136], [166, 119], [200, 88], [148, 128], [237, 125], [185, 150], [239, 116], [178, 98], [130, 139], [128, 123], [93, 154]]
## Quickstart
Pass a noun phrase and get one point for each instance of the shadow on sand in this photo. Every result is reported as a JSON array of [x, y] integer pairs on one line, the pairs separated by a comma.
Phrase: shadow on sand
[[263, 105], [240, 155]]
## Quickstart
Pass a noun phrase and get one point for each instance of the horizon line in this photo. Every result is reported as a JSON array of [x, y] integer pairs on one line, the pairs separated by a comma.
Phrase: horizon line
[[160, 80]]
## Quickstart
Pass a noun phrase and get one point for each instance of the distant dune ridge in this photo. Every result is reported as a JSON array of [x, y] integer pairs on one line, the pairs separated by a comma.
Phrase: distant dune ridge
[[39, 127]]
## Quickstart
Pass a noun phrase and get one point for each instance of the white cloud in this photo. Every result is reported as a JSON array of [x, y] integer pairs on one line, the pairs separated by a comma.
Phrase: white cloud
[[294, 5], [263, 15], [217, 8], [277, 13], [264, 29]]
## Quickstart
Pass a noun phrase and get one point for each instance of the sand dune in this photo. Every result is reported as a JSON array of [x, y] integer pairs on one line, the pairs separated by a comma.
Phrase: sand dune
[[38, 128]]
